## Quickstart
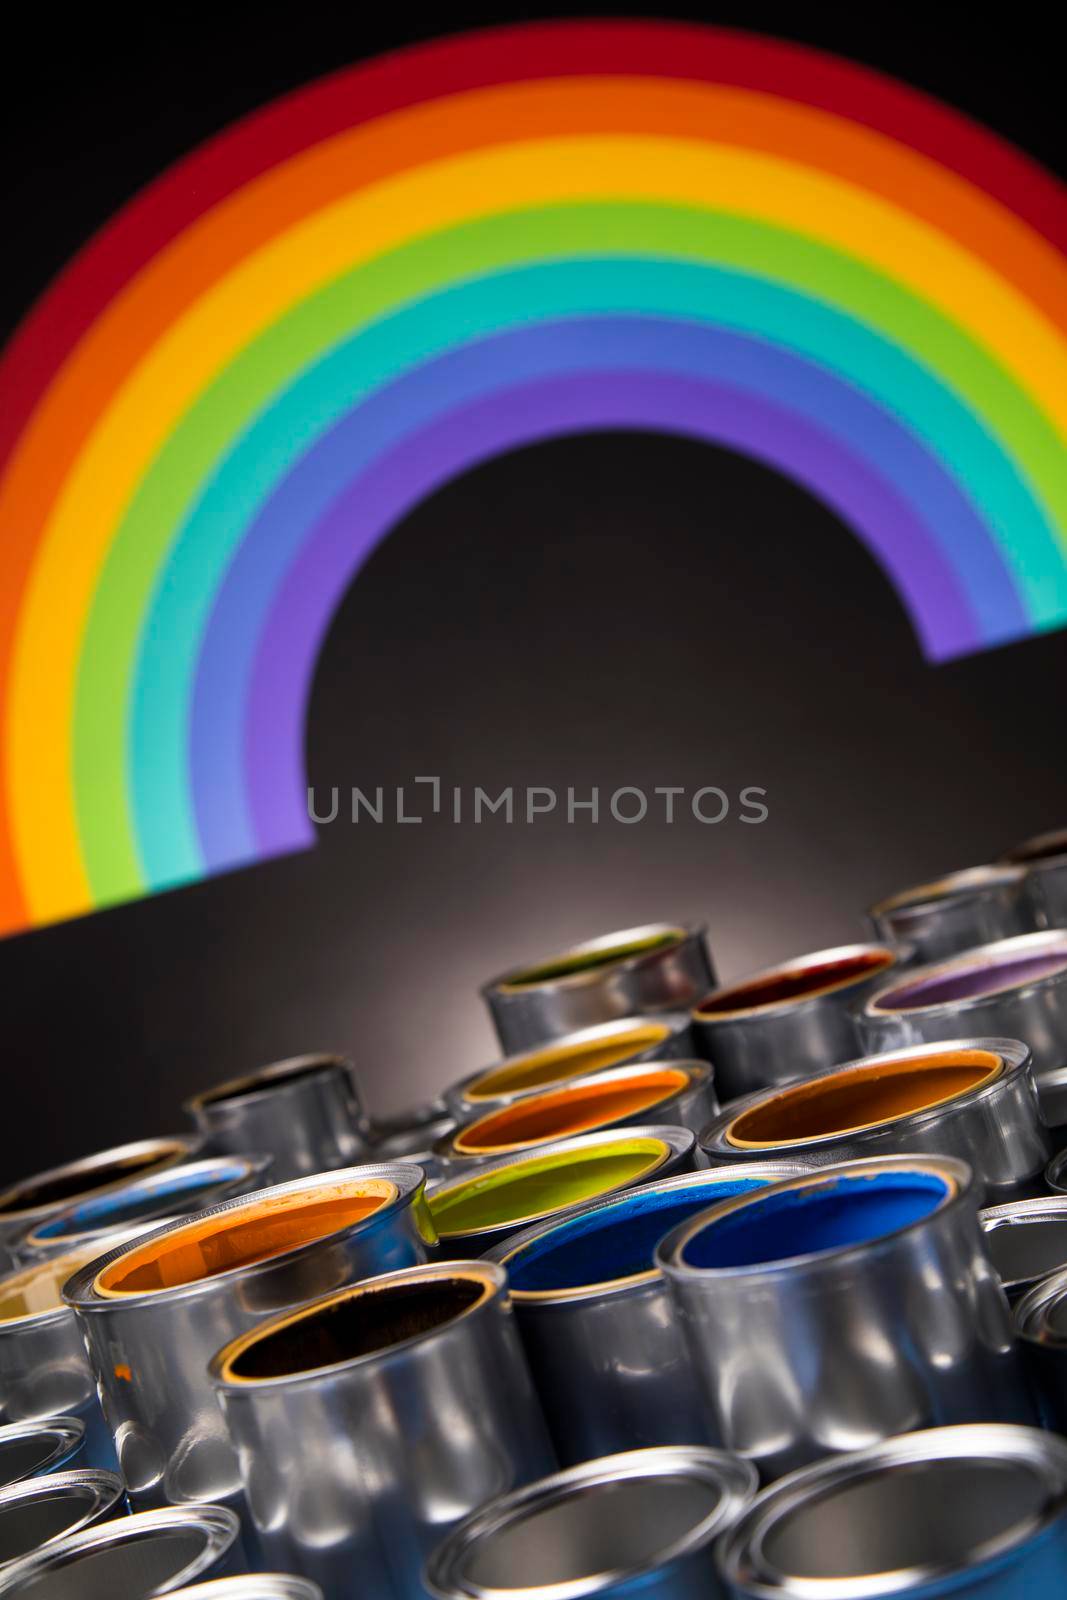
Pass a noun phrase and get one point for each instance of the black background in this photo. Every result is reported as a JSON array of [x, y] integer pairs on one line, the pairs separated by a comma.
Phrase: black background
[[600, 611]]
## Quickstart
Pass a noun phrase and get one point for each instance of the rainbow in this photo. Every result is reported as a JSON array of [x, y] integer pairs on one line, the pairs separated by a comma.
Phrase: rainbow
[[267, 358]]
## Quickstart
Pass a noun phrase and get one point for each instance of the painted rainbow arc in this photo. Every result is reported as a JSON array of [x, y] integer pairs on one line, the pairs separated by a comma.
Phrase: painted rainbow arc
[[267, 358]]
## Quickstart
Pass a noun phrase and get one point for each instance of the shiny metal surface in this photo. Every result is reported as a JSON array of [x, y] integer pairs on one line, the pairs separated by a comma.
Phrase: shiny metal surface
[[32, 1449], [1052, 1093], [257, 1586], [369, 1424], [1045, 860], [44, 1369], [305, 1112], [520, 1198], [150, 1348], [840, 1345], [659, 967], [130, 1558], [786, 1022], [686, 1104], [957, 912], [1041, 1324], [160, 1197], [609, 1361], [1056, 1173], [1013, 989], [35, 1513], [1026, 1241], [571, 1056], [976, 1513], [415, 1143], [25, 1205], [643, 1523], [995, 1126]]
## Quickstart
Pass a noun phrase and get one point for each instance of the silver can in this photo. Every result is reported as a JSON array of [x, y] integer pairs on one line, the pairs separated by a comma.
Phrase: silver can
[[152, 1314], [957, 912], [977, 1511], [32, 1449], [371, 1422], [641, 1525], [1045, 861], [162, 1196], [1014, 989], [483, 1208], [135, 1558], [38, 1511], [305, 1112], [565, 1060], [844, 1306], [1026, 1241], [972, 1098], [25, 1205], [258, 1586], [658, 967], [606, 1354], [788, 1021], [675, 1093], [1056, 1173], [398, 1139], [1041, 1324]]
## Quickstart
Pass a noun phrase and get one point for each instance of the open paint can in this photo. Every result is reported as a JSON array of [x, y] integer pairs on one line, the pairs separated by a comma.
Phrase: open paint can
[[481, 1209], [607, 1356], [1026, 1241], [977, 1512], [304, 1112], [852, 1303], [38, 1511], [134, 1558], [788, 1021], [669, 1092], [256, 1586], [27, 1204], [153, 1313], [659, 967], [1014, 989], [973, 1098], [32, 1449], [1044, 859], [957, 912], [641, 1524], [1041, 1324], [372, 1421]]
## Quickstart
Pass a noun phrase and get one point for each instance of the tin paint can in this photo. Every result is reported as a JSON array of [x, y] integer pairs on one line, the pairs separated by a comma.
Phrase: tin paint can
[[1041, 1324], [972, 1098], [1045, 861], [787, 1022], [1014, 989], [34, 1449], [135, 1558], [371, 1422], [38, 1511], [844, 1305], [957, 912], [679, 1093], [1026, 1241], [609, 1361], [573, 1056], [658, 967], [642, 1524], [481, 1209], [304, 1112], [153, 1313], [971, 1513], [25, 1205], [256, 1586]]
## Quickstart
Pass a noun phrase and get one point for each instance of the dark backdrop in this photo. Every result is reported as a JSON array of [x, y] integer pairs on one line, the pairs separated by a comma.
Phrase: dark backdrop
[[599, 611]]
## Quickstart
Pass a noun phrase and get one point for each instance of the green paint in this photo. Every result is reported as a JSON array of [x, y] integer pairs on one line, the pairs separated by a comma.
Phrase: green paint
[[567, 966], [523, 1191], [658, 236]]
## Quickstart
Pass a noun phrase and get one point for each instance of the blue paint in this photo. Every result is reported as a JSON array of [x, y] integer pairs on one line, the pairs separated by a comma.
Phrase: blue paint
[[813, 1220], [614, 1241], [137, 1200]]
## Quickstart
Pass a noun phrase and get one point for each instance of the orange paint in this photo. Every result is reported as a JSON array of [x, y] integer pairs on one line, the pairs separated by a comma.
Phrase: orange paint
[[862, 1097], [123, 1372], [575, 1109], [242, 1236], [537, 1069]]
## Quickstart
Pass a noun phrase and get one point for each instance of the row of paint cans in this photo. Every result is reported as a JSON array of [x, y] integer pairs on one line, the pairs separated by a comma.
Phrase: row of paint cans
[[153, 1312], [370, 1422], [977, 1510], [37, 1512], [640, 971], [971, 1098]]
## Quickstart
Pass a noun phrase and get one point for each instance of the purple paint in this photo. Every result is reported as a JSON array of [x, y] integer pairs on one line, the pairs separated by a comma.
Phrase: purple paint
[[971, 982], [574, 403]]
